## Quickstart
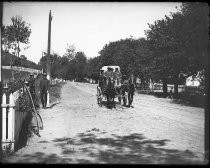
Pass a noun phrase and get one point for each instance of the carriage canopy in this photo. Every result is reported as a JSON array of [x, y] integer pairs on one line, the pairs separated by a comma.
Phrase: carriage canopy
[[105, 68]]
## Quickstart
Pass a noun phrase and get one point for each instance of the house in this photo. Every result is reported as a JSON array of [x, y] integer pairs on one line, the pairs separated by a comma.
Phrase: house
[[194, 80]]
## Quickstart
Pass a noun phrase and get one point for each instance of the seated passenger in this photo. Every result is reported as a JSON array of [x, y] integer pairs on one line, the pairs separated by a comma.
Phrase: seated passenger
[[108, 74]]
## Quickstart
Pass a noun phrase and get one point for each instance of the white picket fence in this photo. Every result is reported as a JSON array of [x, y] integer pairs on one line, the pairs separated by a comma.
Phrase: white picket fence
[[181, 88], [159, 87], [12, 120]]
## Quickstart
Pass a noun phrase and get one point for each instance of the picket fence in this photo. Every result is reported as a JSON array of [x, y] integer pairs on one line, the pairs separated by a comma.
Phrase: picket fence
[[12, 119]]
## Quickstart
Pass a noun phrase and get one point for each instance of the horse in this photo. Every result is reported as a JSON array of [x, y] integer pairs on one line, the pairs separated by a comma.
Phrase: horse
[[110, 93]]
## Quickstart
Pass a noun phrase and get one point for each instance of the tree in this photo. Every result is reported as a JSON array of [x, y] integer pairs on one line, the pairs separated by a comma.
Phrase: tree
[[92, 67], [179, 43], [132, 55], [81, 61], [14, 35], [64, 68], [18, 32], [56, 64], [6, 44], [70, 52], [158, 37]]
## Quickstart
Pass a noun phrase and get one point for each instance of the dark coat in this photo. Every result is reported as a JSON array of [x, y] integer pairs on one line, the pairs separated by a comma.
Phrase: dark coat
[[132, 84], [31, 83], [44, 85]]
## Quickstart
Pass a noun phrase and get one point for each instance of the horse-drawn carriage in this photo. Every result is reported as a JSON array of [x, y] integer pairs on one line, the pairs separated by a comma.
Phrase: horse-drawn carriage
[[111, 87]]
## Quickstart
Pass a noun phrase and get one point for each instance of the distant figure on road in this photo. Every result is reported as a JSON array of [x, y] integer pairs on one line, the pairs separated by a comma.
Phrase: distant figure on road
[[171, 93], [44, 89], [132, 88]]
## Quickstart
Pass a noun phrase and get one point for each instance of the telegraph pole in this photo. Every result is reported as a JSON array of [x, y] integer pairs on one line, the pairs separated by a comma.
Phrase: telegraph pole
[[1, 13], [48, 48], [48, 57]]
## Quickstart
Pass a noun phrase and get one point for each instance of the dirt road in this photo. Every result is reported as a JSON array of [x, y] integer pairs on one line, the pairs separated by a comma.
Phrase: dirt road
[[77, 130]]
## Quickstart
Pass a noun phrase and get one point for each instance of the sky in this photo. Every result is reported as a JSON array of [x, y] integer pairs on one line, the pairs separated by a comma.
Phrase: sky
[[86, 25]]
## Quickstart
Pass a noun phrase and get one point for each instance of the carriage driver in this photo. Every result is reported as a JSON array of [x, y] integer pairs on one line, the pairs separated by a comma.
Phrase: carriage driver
[[108, 74]]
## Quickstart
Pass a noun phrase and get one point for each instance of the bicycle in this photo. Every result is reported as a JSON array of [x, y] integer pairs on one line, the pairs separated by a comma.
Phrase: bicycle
[[35, 113]]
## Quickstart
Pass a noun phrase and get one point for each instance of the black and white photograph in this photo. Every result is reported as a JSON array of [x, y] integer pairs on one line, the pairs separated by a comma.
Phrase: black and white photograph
[[104, 83]]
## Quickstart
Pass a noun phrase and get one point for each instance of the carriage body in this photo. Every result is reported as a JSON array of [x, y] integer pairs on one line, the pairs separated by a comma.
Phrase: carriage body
[[105, 68], [103, 90]]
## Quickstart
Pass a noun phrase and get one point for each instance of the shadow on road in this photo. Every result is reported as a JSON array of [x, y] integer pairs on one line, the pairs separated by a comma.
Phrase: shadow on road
[[52, 105], [117, 105], [25, 133], [92, 147]]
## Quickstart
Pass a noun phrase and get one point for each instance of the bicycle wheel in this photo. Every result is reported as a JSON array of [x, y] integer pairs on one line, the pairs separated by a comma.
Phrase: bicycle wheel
[[40, 123]]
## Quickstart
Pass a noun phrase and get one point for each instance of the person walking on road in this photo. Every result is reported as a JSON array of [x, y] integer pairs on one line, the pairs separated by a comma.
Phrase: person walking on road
[[132, 88], [44, 89]]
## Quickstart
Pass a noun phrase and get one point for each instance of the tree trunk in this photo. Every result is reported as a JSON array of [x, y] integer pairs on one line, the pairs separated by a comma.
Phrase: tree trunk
[[18, 50], [165, 88], [176, 79], [176, 88], [12, 71]]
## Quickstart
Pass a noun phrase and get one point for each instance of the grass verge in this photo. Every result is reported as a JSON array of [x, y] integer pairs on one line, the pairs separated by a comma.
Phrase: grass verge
[[193, 100], [55, 92]]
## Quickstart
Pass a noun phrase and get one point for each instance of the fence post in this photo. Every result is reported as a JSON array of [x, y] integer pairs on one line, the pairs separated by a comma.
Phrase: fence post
[[48, 100], [151, 85], [11, 124], [4, 111]]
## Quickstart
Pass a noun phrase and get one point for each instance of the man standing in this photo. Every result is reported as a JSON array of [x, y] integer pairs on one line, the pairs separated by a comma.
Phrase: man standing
[[132, 88], [44, 89]]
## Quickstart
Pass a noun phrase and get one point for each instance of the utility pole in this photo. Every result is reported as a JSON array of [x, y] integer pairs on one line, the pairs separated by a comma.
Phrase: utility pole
[[48, 48], [1, 13], [48, 57], [43, 54]]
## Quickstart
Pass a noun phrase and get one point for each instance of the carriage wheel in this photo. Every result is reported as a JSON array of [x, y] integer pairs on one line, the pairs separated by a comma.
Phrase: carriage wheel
[[118, 95]]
